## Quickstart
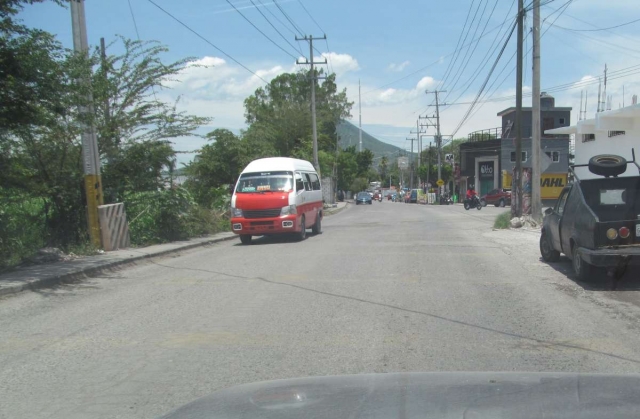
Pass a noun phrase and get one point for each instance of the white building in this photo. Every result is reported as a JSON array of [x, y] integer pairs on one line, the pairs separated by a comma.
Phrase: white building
[[610, 132]]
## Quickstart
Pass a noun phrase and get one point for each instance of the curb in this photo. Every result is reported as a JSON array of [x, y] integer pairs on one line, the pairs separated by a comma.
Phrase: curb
[[81, 273], [327, 212]]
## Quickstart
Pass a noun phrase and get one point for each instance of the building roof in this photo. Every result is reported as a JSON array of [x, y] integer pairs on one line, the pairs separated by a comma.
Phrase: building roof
[[617, 119], [529, 109]]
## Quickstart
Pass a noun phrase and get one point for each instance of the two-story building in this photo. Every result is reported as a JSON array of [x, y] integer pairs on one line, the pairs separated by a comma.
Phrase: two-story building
[[488, 157]]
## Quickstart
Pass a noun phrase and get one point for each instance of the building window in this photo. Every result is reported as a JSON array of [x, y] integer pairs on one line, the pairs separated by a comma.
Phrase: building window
[[588, 137], [513, 156], [561, 121], [616, 133], [553, 155]]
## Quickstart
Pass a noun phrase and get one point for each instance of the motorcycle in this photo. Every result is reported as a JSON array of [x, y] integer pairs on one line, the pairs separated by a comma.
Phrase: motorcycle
[[474, 202], [446, 200]]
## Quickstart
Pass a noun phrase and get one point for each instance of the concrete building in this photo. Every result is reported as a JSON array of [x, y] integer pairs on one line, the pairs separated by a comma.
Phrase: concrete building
[[488, 157]]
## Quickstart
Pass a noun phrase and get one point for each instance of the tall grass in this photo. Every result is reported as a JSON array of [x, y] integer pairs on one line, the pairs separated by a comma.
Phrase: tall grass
[[502, 220]]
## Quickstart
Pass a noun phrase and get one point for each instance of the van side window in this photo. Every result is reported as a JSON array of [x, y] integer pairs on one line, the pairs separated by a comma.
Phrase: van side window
[[315, 182], [299, 183], [307, 182]]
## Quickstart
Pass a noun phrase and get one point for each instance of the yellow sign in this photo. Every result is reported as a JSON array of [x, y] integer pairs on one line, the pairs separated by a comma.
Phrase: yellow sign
[[551, 184], [440, 182]]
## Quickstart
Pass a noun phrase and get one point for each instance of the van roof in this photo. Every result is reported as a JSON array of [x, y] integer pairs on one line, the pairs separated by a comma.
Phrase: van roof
[[278, 163]]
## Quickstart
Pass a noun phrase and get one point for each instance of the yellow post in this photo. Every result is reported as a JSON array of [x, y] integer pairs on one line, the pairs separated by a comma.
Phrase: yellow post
[[93, 190]]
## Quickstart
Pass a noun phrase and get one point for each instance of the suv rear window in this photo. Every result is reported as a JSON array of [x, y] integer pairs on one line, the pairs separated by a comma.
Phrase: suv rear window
[[613, 199]]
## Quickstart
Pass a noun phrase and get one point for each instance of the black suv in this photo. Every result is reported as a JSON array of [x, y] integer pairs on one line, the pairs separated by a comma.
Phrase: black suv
[[596, 222]]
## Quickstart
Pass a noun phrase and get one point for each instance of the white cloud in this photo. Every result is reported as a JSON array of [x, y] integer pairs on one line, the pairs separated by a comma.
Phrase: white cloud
[[425, 83], [341, 63], [398, 67]]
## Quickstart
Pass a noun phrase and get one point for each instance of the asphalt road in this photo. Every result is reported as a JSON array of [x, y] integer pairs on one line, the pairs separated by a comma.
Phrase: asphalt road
[[387, 287]]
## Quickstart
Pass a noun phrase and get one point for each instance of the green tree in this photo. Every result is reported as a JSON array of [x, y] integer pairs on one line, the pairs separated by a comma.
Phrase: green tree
[[383, 167], [347, 168], [282, 108], [364, 159]]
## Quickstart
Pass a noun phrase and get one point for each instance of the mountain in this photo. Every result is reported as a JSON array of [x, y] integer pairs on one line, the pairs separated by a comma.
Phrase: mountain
[[348, 136]]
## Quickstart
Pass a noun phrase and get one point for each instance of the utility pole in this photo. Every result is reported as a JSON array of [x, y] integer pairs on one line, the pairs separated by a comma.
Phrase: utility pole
[[313, 77], [438, 134], [536, 173], [359, 117], [412, 164], [516, 210], [90, 154]]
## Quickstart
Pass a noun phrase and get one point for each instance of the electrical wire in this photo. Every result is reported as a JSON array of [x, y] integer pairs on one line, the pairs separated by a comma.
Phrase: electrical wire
[[288, 18], [456, 50], [276, 29], [135, 25], [599, 29], [263, 34], [207, 41], [464, 118], [321, 30], [467, 57]]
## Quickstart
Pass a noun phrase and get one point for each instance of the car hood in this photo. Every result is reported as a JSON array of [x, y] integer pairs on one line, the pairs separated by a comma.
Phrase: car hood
[[257, 200], [427, 395]]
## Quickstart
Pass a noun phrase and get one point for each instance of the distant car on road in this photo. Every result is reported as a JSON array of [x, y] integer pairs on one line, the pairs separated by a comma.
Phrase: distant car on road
[[498, 197], [364, 198]]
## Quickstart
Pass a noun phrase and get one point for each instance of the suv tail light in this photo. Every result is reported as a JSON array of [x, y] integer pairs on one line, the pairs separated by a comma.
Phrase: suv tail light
[[624, 232]]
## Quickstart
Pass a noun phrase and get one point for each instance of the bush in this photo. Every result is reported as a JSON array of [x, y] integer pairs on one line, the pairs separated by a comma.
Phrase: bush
[[169, 215], [22, 230], [502, 220]]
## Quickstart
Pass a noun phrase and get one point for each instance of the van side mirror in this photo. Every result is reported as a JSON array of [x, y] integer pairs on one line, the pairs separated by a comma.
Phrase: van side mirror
[[548, 211]]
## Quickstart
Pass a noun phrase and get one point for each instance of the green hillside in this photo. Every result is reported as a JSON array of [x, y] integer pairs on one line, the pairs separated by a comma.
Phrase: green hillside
[[348, 135]]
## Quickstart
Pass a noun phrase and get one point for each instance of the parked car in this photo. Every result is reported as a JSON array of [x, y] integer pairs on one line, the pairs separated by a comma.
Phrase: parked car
[[413, 196], [498, 197], [596, 222], [364, 198]]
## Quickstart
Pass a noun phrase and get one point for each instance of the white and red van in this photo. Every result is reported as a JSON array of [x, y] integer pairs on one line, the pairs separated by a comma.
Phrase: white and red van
[[276, 195]]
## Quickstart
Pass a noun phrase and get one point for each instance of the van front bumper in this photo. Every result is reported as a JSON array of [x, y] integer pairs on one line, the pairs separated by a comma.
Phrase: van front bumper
[[261, 226], [611, 257]]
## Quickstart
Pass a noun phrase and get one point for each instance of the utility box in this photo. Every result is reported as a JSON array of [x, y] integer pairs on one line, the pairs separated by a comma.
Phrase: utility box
[[114, 226]]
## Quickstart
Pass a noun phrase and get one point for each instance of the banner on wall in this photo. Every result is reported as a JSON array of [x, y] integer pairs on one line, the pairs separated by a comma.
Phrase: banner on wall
[[551, 184]]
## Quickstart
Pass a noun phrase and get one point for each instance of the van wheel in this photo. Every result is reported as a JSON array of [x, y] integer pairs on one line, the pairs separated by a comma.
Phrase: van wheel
[[317, 227], [245, 238], [303, 230]]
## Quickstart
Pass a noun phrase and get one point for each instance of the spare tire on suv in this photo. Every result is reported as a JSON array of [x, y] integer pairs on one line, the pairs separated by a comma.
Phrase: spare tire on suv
[[607, 165]]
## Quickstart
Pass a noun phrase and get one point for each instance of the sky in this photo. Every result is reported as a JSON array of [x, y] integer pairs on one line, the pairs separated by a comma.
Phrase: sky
[[395, 50]]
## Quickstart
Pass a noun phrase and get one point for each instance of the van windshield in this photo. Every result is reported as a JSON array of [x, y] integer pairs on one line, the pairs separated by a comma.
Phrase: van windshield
[[265, 181]]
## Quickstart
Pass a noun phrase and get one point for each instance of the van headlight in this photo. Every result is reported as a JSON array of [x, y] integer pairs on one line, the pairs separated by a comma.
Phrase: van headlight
[[236, 212], [288, 210]]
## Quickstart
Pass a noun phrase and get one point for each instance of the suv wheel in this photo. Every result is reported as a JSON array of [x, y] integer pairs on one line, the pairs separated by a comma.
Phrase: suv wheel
[[549, 254], [581, 268]]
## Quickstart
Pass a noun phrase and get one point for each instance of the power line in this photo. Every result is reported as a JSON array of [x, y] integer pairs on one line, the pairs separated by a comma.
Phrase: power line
[[274, 28], [464, 118], [288, 18], [322, 30], [476, 73], [465, 63], [206, 40], [456, 51], [277, 18], [263, 34], [135, 25], [598, 29]]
